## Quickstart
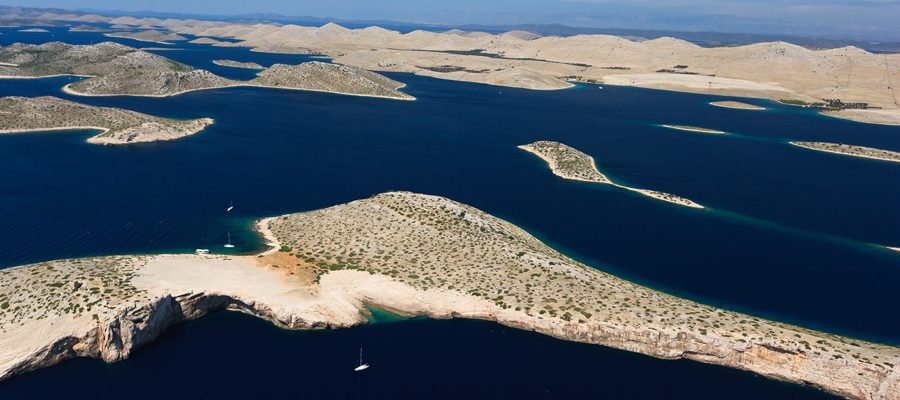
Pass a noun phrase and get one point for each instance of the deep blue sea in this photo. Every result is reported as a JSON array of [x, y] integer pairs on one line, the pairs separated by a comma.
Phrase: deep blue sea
[[789, 234]]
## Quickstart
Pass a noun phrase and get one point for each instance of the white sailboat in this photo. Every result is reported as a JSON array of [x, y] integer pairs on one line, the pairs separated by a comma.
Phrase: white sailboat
[[230, 205], [229, 245], [362, 366]]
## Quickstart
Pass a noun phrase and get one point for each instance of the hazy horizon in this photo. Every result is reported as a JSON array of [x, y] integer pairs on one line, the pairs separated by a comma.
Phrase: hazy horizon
[[839, 19]]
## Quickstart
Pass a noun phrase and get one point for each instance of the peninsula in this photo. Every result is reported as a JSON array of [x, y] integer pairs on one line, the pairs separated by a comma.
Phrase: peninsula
[[693, 129], [38, 114], [851, 150], [238, 64], [570, 163], [737, 105], [113, 69], [152, 36], [415, 255], [857, 80]]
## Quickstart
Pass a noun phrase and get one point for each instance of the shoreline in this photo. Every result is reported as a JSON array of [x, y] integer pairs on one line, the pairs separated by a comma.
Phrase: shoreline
[[694, 129], [115, 36], [179, 287], [674, 199], [807, 146], [736, 105], [66, 89]]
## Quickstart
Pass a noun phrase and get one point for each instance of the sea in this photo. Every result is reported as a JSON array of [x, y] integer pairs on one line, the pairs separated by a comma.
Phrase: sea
[[788, 233]]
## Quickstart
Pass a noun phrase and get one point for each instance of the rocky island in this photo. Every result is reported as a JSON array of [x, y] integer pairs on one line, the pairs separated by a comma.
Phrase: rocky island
[[332, 78], [37, 114], [737, 105], [770, 70], [110, 68], [851, 150], [570, 163], [113, 69], [411, 254], [152, 36], [693, 129], [238, 64]]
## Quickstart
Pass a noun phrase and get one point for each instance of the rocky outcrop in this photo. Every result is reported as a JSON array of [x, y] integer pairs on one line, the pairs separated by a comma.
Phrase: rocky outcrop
[[333, 78], [113, 69], [31, 114], [415, 255]]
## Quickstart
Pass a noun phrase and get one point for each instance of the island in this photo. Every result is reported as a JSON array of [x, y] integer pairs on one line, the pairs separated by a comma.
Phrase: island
[[238, 64], [88, 28], [570, 163], [687, 128], [851, 150], [771, 70], [113, 69], [34, 30], [737, 105], [152, 36], [410, 254], [213, 42], [332, 78], [40, 114]]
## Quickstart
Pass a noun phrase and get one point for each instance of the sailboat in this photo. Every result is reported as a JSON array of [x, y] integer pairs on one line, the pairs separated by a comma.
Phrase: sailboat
[[230, 205], [362, 366], [229, 245]]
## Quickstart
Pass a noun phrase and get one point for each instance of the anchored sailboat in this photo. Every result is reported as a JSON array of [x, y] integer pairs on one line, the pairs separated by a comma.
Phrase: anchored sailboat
[[229, 245], [362, 366], [230, 205]]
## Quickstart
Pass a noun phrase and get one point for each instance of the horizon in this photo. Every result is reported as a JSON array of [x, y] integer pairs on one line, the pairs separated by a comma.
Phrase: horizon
[[863, 20]]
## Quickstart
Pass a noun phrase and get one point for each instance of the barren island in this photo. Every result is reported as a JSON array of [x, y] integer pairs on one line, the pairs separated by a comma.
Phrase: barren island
[[570, 163], [411, 254], [118, 126]]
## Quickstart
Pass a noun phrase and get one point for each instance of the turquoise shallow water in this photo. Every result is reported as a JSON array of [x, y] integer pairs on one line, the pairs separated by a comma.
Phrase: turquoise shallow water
[[788, 235]]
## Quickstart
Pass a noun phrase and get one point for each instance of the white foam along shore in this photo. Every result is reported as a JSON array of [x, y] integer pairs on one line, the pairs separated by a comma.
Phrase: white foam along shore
[[850, 150], [693, 129], [595, 176]]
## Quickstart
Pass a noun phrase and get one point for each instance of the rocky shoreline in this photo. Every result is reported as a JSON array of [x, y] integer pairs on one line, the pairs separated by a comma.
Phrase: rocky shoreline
[[327, 266], [112, 69], [117, 126], [693, 129], [851, 150], [570, 163]]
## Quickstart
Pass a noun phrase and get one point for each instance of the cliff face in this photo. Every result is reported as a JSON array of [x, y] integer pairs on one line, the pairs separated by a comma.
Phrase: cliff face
[[132, 327], [415, 255]]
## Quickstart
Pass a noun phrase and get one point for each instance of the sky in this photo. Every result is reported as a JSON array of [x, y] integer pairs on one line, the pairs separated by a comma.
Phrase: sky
[[840, 19]]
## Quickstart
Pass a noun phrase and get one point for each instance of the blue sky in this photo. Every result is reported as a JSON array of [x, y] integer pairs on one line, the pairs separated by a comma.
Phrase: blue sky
[[856, 19]]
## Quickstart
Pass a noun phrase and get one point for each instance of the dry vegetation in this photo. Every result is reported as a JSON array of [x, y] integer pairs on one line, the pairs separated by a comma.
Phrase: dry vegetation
[[74, 288], [851, 150], [434, 243], [152, 35], [115, 69], [333, 78], [238, 64], [570, 163], [28, 114]]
